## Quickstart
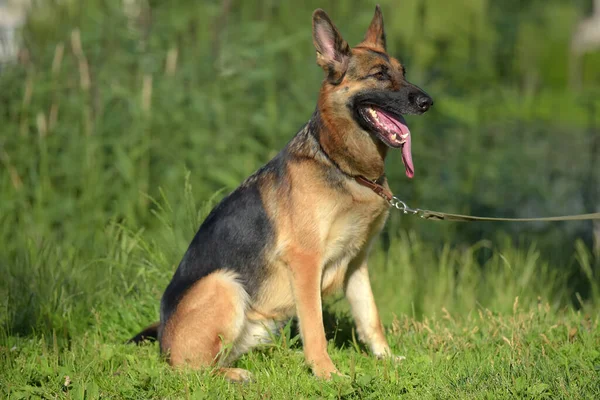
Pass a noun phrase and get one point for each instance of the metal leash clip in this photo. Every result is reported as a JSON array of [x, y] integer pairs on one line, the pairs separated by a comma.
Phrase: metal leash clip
[[402, 206]]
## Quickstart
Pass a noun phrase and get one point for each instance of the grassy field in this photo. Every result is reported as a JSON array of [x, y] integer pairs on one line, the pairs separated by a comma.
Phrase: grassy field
[[505, 328], [121, 127], [531, 353]]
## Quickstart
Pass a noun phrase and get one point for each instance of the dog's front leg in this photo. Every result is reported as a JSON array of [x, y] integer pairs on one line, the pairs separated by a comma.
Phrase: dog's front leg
[[306, 284], [360, 296]]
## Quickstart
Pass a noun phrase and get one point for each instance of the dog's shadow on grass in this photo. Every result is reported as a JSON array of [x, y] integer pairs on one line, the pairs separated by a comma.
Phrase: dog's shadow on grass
[[339, 327]]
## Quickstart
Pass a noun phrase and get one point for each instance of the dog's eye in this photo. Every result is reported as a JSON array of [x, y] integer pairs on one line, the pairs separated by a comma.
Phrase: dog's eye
[[381, 76]]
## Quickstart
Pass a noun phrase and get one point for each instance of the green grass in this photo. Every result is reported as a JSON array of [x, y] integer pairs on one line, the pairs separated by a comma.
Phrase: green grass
[[470, 326], [531, 353]]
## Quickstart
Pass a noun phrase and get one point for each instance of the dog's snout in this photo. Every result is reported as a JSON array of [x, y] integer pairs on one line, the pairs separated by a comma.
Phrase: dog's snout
[[424, 102]]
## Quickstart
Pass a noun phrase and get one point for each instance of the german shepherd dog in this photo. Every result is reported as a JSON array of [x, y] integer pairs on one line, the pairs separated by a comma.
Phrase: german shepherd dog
[[301, 226]]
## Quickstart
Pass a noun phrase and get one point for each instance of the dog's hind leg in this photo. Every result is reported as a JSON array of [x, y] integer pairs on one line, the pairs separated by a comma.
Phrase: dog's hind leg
[[206, 324]]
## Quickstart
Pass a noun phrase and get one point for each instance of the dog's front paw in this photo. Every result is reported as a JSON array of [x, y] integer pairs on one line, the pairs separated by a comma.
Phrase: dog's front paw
[[328, 375], [325, 373], [324, 369]]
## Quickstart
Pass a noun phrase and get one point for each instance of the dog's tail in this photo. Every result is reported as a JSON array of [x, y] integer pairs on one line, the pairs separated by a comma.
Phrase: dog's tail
[[149, 333]]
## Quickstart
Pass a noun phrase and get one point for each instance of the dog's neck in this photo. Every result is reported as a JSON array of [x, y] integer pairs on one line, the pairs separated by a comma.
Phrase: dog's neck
[[353, 151]]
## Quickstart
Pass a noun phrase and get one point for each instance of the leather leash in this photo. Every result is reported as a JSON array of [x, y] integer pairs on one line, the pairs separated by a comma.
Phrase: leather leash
[[440, 216]]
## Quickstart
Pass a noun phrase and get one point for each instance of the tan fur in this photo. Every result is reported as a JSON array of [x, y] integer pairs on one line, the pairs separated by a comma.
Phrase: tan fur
[[360, 296], [210, 315]]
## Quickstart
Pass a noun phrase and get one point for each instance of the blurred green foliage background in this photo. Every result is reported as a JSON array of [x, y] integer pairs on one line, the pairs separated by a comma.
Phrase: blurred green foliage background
[[112, 103]]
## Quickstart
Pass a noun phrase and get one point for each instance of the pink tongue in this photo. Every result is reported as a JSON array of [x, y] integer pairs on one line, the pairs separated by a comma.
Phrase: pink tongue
[[399, 125], [407, 158]]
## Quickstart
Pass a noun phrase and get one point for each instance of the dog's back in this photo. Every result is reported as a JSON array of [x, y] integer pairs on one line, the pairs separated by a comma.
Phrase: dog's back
[[234, 237]]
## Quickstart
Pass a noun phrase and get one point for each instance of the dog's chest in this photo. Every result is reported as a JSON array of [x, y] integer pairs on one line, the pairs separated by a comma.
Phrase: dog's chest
[[349, 235]]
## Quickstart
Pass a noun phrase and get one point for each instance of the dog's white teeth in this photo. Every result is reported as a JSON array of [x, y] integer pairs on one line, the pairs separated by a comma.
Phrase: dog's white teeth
[[395, 139], [373, 113], [404, 136]]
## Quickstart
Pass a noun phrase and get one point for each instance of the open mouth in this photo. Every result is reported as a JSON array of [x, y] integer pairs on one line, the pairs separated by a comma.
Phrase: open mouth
[[391, 130]]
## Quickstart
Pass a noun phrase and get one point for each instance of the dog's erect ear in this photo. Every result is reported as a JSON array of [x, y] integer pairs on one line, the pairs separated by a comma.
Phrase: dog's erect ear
[[375, 35], [333, 51]]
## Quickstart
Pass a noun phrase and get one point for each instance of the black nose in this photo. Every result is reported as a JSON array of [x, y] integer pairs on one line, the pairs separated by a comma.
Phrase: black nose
[[424, 102]]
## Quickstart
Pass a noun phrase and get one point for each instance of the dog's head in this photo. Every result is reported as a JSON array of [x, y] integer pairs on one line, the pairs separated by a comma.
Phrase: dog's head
[[365, 93]]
